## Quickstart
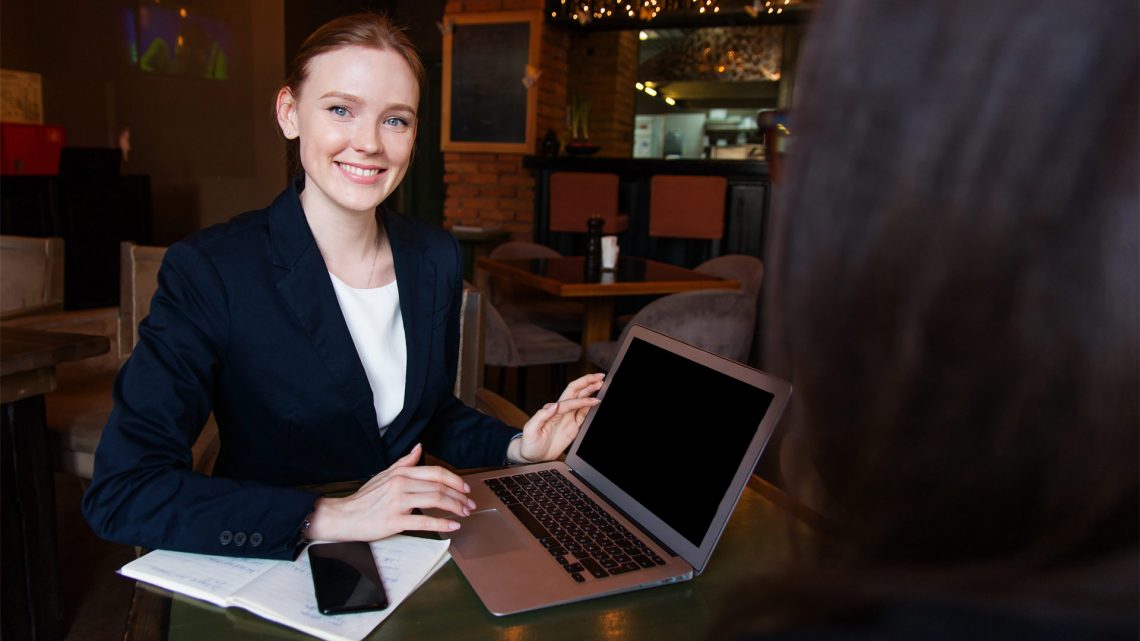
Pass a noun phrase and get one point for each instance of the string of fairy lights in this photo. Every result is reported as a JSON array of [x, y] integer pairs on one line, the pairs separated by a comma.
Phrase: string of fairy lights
[[586, 11]]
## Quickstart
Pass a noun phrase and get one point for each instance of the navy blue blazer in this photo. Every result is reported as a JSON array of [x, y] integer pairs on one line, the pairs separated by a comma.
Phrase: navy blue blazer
[[245, 323]]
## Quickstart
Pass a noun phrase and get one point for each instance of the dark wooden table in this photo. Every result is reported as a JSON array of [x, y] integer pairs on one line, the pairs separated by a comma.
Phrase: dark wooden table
[[567, 277], [30, 567], [761, 540]]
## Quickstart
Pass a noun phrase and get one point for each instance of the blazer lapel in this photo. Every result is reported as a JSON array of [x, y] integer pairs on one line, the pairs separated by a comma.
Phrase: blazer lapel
[[415, 279], [307, 290]]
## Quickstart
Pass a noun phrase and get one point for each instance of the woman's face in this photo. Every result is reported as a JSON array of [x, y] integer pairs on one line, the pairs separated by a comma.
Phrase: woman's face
[[356, 120]]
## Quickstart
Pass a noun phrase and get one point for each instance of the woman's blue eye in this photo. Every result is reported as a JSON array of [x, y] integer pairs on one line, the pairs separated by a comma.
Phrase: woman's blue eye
[[395, 121], [339, 111]]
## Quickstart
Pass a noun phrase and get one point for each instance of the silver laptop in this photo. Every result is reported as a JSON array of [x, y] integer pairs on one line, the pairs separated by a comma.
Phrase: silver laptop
[[646, 489]]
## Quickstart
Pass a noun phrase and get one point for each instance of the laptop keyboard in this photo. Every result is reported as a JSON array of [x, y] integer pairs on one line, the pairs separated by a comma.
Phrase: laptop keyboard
[[577, 532]]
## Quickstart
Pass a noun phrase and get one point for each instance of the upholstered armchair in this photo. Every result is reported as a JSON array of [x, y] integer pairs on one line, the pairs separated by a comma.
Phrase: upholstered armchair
[[718, 321]]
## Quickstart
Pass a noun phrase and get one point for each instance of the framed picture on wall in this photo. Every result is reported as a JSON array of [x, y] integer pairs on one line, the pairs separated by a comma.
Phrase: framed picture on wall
[[490, 97]]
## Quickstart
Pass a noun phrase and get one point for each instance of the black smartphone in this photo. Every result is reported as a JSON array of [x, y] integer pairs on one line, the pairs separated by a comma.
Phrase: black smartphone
[[345, 578]]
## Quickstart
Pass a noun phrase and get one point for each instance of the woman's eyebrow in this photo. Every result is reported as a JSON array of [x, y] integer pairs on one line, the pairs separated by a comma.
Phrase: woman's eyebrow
[[341, 95], [402, 107]]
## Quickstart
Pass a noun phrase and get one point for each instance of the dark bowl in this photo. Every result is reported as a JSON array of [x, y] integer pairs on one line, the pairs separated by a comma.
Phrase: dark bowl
[[578, 149]]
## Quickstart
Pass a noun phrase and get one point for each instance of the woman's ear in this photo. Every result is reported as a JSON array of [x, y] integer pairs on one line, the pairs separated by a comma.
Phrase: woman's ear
[[286, 109]]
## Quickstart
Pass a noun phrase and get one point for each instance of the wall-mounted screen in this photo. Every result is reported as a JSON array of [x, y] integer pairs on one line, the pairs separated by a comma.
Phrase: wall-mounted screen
[[176, 38]]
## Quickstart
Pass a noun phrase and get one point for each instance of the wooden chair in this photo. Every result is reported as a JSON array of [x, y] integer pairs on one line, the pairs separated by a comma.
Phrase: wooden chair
[[138, 280], [469, 379], [469, 373], [576, 196], [31, 276]]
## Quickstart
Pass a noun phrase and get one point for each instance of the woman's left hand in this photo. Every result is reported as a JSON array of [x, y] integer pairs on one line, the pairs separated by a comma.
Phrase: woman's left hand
[[554, 427]]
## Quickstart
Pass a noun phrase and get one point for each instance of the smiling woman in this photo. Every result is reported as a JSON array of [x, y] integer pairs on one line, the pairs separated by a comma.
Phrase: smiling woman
[[355, 120], [322, 332]]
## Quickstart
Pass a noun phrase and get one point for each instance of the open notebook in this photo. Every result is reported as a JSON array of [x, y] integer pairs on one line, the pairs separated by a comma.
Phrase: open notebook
[[282, 591]]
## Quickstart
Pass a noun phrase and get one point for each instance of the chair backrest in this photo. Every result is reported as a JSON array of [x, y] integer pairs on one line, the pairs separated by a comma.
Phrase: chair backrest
[[742, 268], [687, 206], [718, 321], [522, 249], [31, 275], [138, 280], [499, 348], [469, 378], [500, 289], [576, 196], [469, 374]]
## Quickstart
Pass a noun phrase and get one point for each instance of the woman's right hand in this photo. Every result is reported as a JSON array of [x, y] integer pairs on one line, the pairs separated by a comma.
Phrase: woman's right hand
[[383, 506]]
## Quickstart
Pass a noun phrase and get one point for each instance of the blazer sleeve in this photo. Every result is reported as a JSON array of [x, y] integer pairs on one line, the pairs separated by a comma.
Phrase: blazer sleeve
[[459, 434], [144, 491]]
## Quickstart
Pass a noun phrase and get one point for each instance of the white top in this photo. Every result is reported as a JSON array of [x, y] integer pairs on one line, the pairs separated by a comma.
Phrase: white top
[[377, 329]]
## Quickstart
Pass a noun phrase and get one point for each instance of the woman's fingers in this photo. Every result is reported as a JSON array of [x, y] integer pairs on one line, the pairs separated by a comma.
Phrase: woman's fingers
[[582, 385], [415, 491], [434, 474], [425, 523], [572, 405], [409, 459], [406, 466], [435, 499]]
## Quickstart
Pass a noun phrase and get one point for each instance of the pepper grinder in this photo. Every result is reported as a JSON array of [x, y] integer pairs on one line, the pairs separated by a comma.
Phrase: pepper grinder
[[594, 246]]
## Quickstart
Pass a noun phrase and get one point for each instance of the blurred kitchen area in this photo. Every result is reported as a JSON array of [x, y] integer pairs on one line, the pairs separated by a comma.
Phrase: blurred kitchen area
[[701, 91]]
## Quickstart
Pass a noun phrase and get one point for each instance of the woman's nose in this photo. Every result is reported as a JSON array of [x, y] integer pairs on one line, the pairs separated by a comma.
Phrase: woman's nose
[[367, 139]]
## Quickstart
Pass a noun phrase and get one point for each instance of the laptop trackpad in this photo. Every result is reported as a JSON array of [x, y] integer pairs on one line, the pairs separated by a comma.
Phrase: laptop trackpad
[[484, 533]]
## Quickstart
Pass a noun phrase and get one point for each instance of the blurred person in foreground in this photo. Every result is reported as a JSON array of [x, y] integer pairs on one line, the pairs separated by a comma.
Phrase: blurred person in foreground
[[955, 297]]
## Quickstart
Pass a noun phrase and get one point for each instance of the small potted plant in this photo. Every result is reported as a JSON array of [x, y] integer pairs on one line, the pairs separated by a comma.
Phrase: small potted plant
[[579, 113]]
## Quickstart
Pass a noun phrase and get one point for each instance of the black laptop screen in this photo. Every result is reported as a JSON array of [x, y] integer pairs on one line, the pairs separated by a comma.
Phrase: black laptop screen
[[672, 434]]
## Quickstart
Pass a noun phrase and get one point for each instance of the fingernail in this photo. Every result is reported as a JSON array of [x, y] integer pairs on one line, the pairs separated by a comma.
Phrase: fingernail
[[471, 503], [452, 525], [466, 488]]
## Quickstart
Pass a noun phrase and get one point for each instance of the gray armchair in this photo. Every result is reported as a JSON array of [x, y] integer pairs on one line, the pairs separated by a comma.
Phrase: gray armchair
[[517, 345], [721, 322], [525, 305]]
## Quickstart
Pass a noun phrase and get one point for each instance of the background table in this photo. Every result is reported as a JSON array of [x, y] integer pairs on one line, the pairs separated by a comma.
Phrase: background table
[[31, 600], [761, 540], [476, 243], [567, 277]]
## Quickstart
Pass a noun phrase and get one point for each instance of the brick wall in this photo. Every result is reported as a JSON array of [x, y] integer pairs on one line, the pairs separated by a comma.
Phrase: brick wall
[[494, 189], [603, 69]]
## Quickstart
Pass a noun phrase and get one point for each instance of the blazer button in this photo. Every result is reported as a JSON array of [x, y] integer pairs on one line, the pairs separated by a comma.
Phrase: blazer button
[[255, 539], [226, 537], [239, 539]]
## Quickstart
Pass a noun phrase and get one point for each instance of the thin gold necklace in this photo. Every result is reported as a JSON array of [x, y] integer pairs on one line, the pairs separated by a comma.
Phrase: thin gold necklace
[[375, 257]]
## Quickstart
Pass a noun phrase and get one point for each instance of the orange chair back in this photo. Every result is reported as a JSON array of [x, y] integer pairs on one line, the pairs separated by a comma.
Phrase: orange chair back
[[687, 206], [576, 196]]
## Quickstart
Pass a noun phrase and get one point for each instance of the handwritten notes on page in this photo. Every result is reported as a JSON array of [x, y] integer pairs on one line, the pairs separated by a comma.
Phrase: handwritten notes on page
[[282, 591]]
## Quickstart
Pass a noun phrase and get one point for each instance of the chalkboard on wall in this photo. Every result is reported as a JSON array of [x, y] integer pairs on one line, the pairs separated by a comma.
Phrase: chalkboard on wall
[[487, 106]]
